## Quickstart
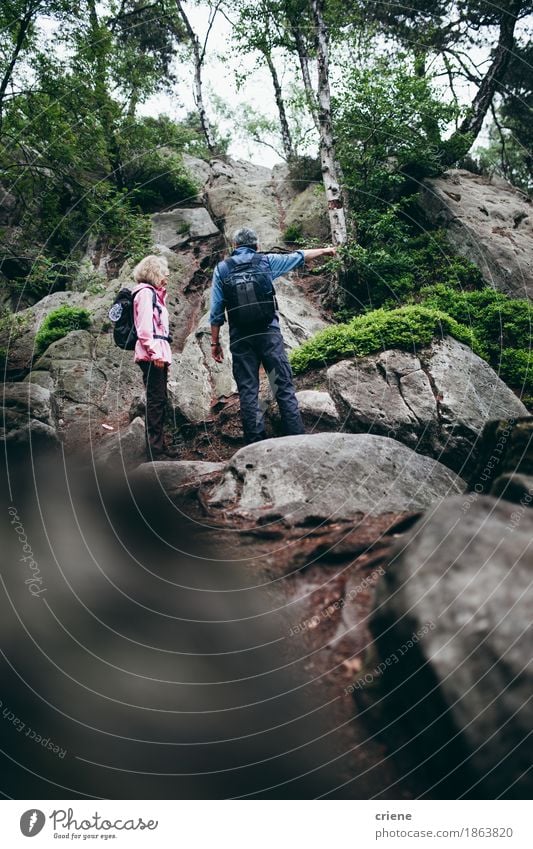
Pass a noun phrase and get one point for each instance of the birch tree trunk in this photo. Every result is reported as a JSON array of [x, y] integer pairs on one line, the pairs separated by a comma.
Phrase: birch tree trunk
[[198, 55], [306, 75], [286, 137], [330, 167]]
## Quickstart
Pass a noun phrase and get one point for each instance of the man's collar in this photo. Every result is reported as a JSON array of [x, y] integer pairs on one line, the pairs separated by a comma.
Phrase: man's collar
[[244, 248]]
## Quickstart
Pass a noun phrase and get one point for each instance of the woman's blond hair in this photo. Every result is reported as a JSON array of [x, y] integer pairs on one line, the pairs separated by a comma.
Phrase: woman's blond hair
[[151, 270]]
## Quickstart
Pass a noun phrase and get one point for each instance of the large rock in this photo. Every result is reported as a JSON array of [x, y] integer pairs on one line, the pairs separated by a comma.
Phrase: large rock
[[489, 223], [331, 476], [175, 477], [505, 464], [461, 582], [93, 382], [437, 402], [179, 226], [240, 194], [308, 214], [196, 382], [28, 416], [317, 408], [125, 449]]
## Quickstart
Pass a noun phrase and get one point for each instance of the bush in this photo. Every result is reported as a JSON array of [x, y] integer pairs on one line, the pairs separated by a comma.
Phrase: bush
[[58, 324], [292, 233], [516, 368], [408, 327], [395, 258], [502, 324]]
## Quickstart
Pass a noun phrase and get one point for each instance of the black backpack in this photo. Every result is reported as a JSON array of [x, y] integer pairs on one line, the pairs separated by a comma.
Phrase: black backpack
[[121, 314], [248, 291]]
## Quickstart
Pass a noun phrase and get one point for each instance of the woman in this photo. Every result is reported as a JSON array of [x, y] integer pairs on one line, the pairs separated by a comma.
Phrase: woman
[[152, 350]]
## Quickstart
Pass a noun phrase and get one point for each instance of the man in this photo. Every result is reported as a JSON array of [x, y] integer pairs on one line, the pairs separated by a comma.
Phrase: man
[[242, 286]]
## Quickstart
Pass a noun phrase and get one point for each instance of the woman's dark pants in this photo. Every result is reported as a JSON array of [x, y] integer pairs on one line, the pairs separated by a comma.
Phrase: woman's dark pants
[[155, 381]]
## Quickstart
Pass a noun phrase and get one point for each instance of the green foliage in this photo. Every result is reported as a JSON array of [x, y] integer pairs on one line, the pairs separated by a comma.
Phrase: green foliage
[[395, 259], [59, 323], [389, 122], [505, 156], [305, 170], [516, 369], [409, 328], [500, 321], [503, 325], [293, 233]]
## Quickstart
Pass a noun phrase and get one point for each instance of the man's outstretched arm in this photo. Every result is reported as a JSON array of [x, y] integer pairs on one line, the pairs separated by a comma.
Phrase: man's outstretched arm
[[313, 253]]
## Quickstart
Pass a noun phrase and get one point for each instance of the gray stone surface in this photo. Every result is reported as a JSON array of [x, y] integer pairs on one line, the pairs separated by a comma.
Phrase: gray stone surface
[[437, 402], [175, 477], [317, 408], [488, 222], [466, 567], [29, 415], [331, 475], [240, 194], [308, 212], [126, 448], [179, 226], [22, 401]]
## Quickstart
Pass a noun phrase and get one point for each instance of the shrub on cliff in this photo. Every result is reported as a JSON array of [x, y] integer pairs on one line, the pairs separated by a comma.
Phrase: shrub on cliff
[[408, 327], [58, 323]]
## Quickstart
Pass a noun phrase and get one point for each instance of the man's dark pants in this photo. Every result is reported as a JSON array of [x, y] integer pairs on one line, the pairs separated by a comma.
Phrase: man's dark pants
[[155, 381], [249, 351]]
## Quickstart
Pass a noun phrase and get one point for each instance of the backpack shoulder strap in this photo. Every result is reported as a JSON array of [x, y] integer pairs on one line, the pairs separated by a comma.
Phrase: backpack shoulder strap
[[155, 305], [225, 267]]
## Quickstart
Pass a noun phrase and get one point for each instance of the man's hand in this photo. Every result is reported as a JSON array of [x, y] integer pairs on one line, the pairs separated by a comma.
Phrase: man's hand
[[216, 352], [314, 253], [158, 363]]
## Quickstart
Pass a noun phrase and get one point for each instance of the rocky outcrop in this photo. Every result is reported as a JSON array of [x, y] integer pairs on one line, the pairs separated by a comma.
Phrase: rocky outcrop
[[505, 464], [317, 409], [176, 478], [307, 214], [454, 612], [29, 415], [487, 221], [178, 226], [124, 449], [328, 476], [437, 402], [239, 194], [93, 382]]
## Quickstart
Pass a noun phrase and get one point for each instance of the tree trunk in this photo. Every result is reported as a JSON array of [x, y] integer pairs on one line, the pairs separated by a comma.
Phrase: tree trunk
[[285, 131], [197, 85], [471, 126], [21, 35], [330, 167], [103, 99], [306, 75]]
